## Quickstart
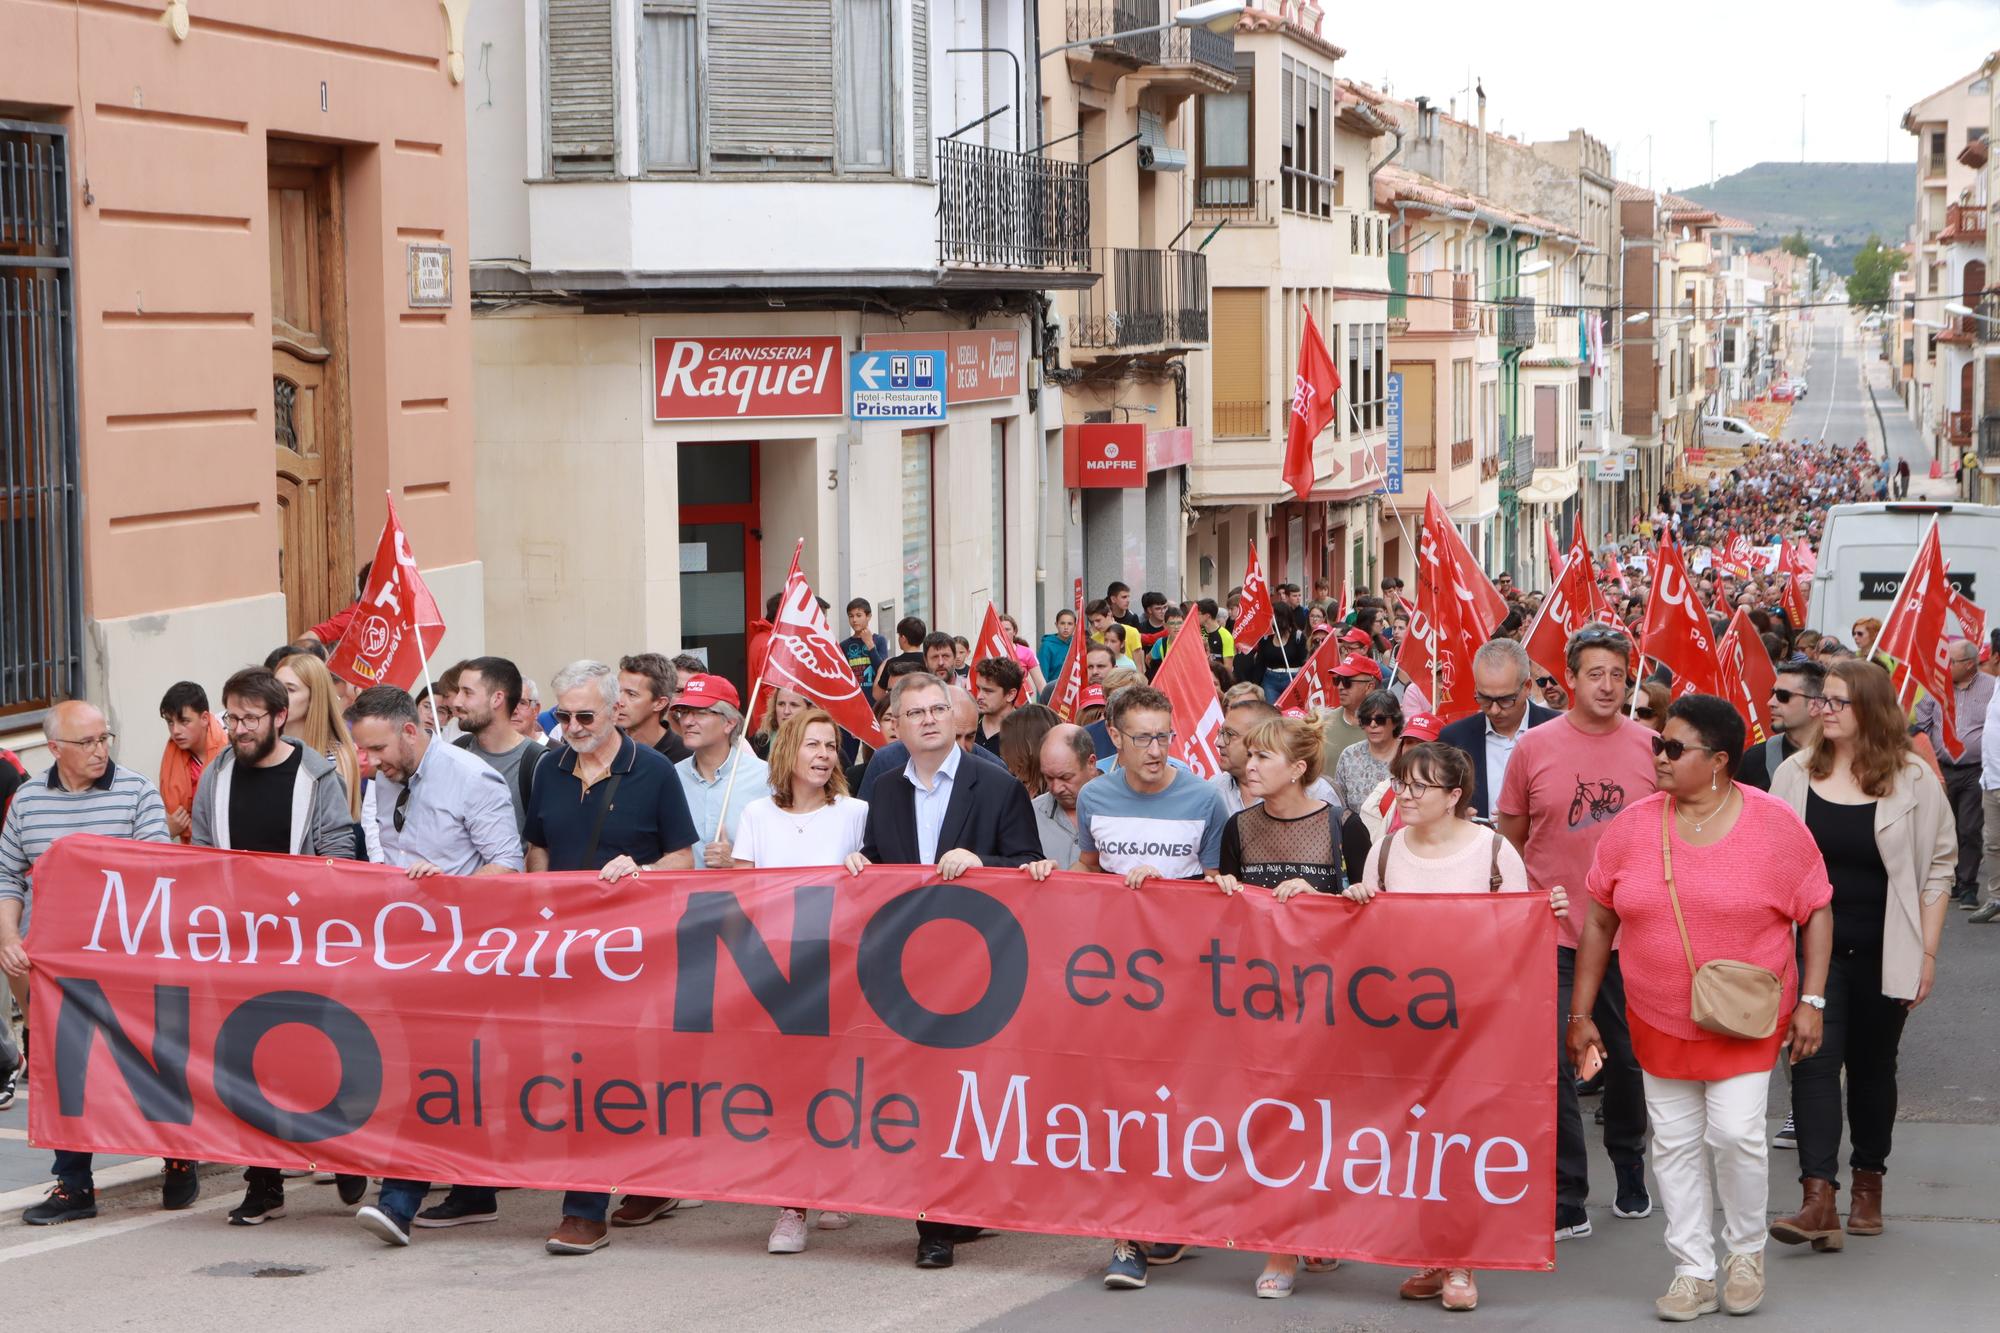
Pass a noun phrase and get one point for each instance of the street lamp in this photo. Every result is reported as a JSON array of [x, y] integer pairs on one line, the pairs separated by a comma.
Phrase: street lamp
[[1218, 16], [1639, 318]]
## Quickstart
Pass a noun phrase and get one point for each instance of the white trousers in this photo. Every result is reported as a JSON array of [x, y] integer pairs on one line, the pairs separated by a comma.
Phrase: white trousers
[[1726, 1118]]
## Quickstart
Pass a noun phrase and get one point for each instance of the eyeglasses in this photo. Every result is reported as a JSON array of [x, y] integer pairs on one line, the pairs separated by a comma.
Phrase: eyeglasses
[[231, 721], [1380, 720], [1786, 696], [1157, 740], [1673, 750], [1599, 633], [1827, 703], [586, 718], [1224, 735], [1644, 713], [1416, 791], [87, 742], [1543, 682], [919, 714], [1497, 700]]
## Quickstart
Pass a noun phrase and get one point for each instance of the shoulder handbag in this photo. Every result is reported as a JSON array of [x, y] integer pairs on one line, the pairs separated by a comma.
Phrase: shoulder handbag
[[1730, 998]]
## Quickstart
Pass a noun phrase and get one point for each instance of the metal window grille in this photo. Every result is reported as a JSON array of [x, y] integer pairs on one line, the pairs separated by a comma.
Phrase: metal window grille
[[41, 564]]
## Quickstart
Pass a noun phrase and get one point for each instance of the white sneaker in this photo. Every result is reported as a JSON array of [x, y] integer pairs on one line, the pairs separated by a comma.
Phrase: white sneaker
[[831, 1221], [788, 1234]]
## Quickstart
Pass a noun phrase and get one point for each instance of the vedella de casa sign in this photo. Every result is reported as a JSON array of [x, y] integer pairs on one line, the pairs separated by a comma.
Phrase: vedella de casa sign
[[698, 379], [1312, 1077]]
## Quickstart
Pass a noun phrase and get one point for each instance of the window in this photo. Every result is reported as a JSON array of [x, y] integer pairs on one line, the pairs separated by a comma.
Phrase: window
[[1352, 388], [1306, 109], [1378, 335], [581, 94], [1936, 167], [1242, 387], [1461, 402], [807, 86], [918, 551], [1225, 154]]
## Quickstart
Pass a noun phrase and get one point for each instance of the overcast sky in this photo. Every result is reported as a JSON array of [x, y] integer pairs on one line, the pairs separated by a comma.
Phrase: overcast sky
[[1625, 71]]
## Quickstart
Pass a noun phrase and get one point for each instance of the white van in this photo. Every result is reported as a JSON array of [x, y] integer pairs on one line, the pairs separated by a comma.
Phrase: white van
[[1725, 432], [1865, 549]]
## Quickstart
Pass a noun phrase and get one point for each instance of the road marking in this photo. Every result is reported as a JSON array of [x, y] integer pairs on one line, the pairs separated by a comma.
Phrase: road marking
[[1837, 339], [82, 1233], [18, 1134]]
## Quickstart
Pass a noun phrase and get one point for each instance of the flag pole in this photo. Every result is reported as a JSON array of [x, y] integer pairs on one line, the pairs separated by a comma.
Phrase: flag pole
[[756, 687]]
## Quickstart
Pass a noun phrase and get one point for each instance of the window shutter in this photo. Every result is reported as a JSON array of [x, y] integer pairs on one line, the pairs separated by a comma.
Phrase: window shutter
[[770, 90], [1242, 391], [581, 110], [920, 81]]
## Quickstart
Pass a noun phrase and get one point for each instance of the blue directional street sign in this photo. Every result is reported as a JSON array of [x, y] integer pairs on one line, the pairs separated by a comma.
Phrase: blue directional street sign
[[896, 386]]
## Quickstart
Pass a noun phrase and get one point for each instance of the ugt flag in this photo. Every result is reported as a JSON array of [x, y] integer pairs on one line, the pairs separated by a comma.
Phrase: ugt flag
[[397, 626], [804, 658]]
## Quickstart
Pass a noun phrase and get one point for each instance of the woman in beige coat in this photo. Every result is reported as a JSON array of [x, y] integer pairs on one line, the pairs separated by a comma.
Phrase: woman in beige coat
[[1883, 823]]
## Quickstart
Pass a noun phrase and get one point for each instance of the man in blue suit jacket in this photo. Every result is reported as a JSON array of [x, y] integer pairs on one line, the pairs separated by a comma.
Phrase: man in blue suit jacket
[[1501, 674], [946, 809]]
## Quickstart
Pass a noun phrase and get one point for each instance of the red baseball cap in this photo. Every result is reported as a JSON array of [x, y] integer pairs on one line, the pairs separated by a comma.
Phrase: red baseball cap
[[1092, 696], [706, 692], [1357, 664], [1423, 727], [1355, 634]]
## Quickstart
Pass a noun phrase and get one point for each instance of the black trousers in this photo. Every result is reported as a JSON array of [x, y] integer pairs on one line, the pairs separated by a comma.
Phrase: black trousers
[[1961, 784], [1864, 1029], [1624, 1089]]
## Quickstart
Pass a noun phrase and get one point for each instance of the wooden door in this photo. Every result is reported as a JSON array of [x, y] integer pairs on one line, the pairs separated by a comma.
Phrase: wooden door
[[309, 384]]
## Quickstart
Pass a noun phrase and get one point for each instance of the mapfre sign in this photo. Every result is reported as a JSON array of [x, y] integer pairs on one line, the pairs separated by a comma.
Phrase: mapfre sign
[[696, 379], [1104, 454]]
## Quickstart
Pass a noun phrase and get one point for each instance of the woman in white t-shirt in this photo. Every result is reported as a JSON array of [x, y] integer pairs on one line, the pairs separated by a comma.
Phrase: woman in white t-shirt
[[1438, 849], [807, 820]]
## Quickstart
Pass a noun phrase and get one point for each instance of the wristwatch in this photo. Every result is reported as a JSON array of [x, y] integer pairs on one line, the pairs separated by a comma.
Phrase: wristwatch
[[1816, 1001]]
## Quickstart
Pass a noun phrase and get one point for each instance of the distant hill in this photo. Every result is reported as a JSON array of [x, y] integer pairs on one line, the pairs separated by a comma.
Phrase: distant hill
[[1837, 204]]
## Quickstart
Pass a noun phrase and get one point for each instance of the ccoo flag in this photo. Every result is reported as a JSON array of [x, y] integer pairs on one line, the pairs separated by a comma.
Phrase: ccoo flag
[[1313, 390], [397, 625], [1067, 696], [1913, 634], [1256, 617], [1184, 678]]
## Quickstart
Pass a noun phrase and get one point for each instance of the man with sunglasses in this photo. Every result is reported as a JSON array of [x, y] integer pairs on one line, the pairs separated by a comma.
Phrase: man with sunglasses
[[1565, 783], [441, 811], [85, 792], [1800, 681], [1500, 676]]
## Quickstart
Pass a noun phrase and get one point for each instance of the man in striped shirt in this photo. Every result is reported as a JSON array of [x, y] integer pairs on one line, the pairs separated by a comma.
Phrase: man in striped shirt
[[84, 792]]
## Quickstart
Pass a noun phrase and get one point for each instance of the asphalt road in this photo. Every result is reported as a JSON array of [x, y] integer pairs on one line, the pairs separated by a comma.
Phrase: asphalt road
[[1838, 408]]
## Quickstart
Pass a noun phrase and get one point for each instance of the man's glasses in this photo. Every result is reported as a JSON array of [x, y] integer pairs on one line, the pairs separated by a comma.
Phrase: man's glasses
[[1544, 682], [920, 714], [585, 718], [1498, 700], [1673, 750], [87, 742], [1786, 696], [1155, 740], [231, 721]]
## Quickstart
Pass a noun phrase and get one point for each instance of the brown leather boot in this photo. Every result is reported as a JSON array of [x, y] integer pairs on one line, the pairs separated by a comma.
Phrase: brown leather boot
[[1864, 1204], [1817, 1220]]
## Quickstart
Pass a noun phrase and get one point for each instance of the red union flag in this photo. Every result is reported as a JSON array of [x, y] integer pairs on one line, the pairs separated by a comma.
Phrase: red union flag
[[804, 658], [1462, 606], [396, 614], [442, 1032], [1308, 689], [1913, 634], [1970, 618], [1676, 632], [1313, 390], [1185, 679], [993, 642], [1258, 617], [1793, 598], [1070, 680], [1574, 600], [1747, 674]]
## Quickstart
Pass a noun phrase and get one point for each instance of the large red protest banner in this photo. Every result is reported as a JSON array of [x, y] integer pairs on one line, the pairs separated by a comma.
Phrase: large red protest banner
[[1073, 1056]]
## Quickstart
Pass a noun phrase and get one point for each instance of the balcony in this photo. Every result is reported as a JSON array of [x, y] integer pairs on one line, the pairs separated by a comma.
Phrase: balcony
[[1958, 429], [1520, 473], [1959, 331], [1237, 200], [1420, 457], [1006, 212], [1177, 60], [1517, 321], [1989, 437], [1146, 299], [1249, 420], [1461, 453], [1964, 223], [1440, 301]]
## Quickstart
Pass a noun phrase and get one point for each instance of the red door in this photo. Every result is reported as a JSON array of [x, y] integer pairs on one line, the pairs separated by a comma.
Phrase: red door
[[720, 565]]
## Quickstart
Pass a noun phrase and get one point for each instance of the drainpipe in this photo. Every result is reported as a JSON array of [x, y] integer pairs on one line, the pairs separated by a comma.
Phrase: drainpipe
[[1397, 131]]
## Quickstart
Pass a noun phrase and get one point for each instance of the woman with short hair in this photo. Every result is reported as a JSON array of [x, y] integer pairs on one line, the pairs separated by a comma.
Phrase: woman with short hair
[[1436, 848], [1706, 870], [807, 820], [1363, 765], [1879, 816]]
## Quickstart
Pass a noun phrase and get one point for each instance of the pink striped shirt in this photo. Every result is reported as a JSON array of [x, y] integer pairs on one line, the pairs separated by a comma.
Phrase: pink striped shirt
[[1741, 896]]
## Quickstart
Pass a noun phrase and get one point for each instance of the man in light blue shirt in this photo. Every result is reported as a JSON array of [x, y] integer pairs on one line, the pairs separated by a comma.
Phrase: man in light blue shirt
[[441, 810], [719, 769]]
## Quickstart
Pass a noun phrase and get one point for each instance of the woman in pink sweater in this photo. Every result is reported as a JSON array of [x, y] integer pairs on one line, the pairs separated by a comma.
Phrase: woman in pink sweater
[[1745, 872]]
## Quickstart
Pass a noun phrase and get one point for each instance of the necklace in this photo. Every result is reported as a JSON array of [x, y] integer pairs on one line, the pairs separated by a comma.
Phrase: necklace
[[1720, 806], [798, 819]]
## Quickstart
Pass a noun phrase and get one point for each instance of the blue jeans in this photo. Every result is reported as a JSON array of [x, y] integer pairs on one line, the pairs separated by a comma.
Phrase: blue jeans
[[586, 1204], [72, 1170], [401, 1198], [1275, 684]]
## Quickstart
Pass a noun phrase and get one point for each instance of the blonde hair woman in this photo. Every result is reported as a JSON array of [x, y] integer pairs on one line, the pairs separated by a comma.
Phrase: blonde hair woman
[[313, 719], [780, 706], [1287, 842], [807, 820]]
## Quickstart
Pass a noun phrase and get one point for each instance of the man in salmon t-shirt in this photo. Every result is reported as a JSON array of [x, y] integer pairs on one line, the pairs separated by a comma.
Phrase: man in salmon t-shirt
[[1566, 782]]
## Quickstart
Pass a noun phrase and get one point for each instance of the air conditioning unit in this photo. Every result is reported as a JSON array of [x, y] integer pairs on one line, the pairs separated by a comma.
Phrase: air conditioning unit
[[1162, 158]]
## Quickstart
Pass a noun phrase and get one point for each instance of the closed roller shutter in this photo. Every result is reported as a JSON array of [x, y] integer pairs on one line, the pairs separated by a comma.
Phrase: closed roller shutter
[[582, 106], [1242, 389]]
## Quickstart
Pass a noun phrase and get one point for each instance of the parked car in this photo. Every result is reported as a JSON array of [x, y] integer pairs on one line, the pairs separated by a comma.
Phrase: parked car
[[1782, 392], [1731, 431]]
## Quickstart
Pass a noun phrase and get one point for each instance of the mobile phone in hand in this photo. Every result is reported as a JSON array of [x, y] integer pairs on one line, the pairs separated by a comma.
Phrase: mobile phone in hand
[[1593, 1064]]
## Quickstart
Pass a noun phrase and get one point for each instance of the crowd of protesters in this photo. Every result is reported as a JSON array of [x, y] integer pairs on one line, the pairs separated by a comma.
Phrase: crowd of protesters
[[1624, 810]]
